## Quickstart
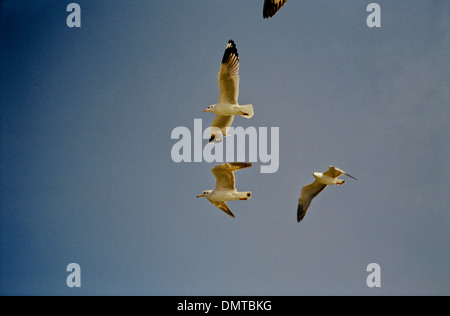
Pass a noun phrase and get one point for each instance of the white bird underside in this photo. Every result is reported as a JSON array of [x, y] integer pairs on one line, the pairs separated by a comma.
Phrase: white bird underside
[[227, 107], [225, 189], [271, 7], [310, 191]]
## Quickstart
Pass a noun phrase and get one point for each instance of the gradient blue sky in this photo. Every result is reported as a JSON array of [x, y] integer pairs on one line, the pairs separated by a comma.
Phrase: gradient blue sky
[[87, 176]]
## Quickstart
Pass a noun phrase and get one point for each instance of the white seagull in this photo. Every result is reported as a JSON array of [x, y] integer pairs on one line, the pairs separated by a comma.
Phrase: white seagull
[[225, 189], [271, 7], [228, 95], [310, 191]]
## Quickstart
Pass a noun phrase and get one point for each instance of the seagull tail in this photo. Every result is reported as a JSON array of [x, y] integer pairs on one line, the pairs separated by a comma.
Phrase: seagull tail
[[247, 110]]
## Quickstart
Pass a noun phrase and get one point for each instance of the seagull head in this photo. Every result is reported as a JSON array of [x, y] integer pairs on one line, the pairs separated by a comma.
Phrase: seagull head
[[204, 194], [209, 108]]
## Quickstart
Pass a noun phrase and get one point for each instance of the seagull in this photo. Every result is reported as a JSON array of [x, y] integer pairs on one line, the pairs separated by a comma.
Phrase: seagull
[[310, 191], [271, 7], [225, 189], [228, 95]]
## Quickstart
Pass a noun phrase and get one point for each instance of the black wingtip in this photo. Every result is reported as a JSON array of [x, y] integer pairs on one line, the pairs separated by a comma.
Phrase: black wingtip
[[268, 13], [300, 213], [270, 8], [351, 177], [230, 50]]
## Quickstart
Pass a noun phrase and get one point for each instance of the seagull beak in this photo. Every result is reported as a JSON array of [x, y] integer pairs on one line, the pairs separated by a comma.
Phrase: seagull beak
[[205, 110], [198, 196]]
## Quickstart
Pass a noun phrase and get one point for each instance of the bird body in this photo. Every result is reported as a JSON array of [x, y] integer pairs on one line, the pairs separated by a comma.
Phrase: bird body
[[327, 180], [221, 195], [228, 109]]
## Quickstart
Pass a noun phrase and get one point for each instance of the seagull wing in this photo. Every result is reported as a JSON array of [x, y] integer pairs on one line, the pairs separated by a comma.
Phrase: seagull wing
[[219, 127], [336, 172], [271, 7], [224, 174], [229, 75], [308, 193], [224, 207]]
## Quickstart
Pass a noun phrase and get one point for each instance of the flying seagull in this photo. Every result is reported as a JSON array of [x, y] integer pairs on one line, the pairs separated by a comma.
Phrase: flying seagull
[[225, 189], [271, 7], [228, 95], [310, 191]]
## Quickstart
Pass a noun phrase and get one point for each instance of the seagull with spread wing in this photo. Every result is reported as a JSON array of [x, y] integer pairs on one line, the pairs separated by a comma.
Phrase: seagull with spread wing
[[228, 105], [225, 189], [310, 191], [271, 7]]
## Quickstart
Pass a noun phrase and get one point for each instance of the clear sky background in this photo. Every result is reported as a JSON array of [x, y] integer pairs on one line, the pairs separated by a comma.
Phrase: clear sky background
[[87, 175]]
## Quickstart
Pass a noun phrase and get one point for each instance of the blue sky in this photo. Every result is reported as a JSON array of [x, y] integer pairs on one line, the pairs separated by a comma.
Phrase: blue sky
[[86, 169]]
